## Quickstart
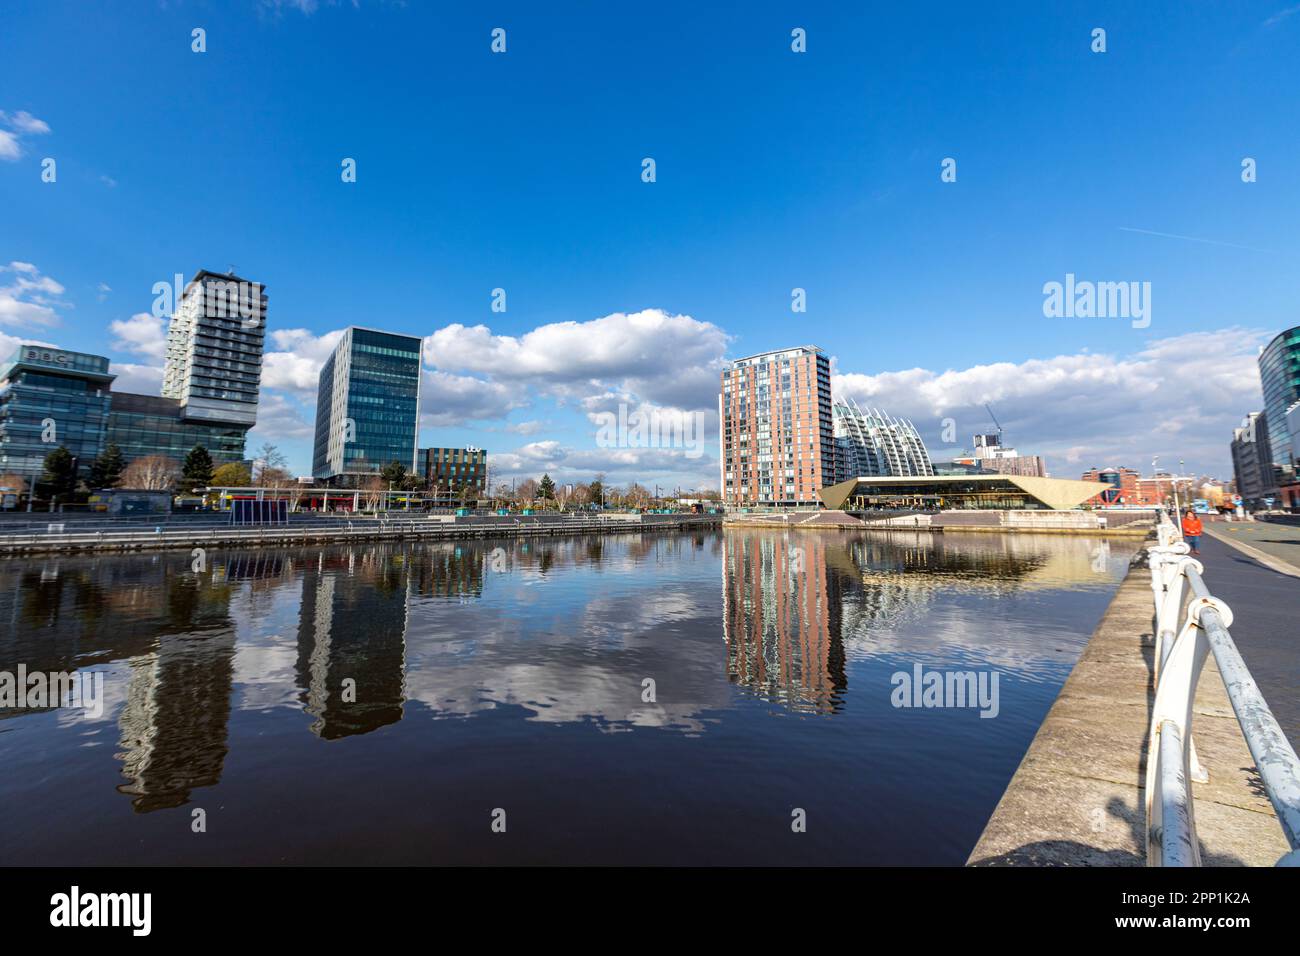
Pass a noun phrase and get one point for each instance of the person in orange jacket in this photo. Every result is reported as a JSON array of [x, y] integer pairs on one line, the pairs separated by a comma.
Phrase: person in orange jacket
[[1192, 531]]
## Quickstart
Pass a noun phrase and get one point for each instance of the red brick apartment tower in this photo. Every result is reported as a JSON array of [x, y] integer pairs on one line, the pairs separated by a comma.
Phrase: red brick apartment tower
[[774, 428]]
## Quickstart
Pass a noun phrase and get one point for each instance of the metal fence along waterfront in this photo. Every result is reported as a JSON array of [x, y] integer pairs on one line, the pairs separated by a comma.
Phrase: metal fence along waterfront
[[1181, 595]]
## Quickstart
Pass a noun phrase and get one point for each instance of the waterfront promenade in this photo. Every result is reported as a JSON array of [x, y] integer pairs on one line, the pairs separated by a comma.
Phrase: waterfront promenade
[[53, 534], [1077, 798]]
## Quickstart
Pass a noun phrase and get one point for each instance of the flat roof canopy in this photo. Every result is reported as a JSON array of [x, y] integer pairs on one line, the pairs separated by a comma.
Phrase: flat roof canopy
[[1058, 494]]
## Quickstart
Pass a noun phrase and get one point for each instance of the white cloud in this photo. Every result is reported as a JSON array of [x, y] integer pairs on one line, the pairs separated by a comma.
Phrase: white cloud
[[30, 299], [667, 467], [296, 363], [662, 358], [447, 399], [1179, 397], [143, 334], [531, 427], [12, 130], [137, 379], [278, 419]]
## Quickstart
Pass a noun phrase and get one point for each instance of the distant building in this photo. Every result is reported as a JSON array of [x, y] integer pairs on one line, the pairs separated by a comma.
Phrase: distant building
[[1252, 460], [448, 470], [1123, 484], [144, 425], [775, 434], [367, 406], [51, 397], [993, 457], [872, 443], [1279, 376]]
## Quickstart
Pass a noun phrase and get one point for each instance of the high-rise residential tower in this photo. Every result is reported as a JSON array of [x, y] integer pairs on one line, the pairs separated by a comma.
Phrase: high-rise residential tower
[[213, 364], [774, 422], [367, 406], [871, 443]]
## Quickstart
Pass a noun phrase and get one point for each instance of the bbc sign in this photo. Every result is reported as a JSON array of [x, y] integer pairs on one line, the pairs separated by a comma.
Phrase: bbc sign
[[48, 357]]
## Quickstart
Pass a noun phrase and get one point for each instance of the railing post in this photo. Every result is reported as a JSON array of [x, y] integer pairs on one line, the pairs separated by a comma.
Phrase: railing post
[[1171, 714]]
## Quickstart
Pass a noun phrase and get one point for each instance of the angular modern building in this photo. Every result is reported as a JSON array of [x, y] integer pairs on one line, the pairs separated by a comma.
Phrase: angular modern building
[[961, 493], [367, 406], [1279, 376], [213, 364], [52, 397], [775, 434], [872, 443]]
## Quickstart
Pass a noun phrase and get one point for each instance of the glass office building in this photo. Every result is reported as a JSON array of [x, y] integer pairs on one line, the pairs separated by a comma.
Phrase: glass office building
[[1279, 375], [367, 406], [143, 425], [51, 397]]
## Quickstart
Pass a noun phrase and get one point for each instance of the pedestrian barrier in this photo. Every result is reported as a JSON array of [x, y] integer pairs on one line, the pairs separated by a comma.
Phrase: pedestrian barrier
[[1180, 594]]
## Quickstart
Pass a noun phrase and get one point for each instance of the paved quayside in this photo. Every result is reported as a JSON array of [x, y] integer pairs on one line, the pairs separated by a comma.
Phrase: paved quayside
[[1077, 798]]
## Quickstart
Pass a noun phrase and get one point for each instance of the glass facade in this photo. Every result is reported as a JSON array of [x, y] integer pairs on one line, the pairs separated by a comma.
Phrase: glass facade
[[367, 405], [1279, 375], [50, 398], [144, 425]]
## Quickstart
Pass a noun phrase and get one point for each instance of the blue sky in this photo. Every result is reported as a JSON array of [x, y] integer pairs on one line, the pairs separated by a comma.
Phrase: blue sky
[[775, 170]]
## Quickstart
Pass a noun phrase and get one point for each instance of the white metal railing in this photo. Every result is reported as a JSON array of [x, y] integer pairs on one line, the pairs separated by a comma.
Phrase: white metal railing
[[1181, 650]]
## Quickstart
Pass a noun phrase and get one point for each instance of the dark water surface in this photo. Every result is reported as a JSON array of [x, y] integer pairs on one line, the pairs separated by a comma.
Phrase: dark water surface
[[510, 676]]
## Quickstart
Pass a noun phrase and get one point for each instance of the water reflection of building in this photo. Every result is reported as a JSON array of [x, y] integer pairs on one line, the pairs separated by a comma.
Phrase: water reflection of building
[[449, 571], [781, 620], [170, 627], [173, 724], [796, 606], [352, 628]]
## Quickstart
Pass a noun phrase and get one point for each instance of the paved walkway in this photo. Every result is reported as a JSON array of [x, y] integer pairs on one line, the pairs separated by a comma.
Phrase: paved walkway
[[1265, 606], [1078, 797], [1272, 543]]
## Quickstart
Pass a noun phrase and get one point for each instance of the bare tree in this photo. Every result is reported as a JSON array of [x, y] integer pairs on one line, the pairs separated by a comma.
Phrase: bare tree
[[150, 473], [269, 459], [637, 496], [373, 488]]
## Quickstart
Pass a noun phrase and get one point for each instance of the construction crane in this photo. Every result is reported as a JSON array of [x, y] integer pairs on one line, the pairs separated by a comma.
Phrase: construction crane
[[995, 422]]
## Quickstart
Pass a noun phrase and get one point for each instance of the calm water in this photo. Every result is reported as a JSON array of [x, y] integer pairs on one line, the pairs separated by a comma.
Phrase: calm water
[[509, 675]]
